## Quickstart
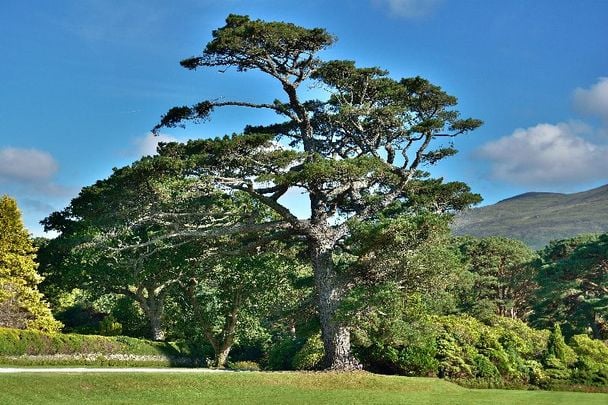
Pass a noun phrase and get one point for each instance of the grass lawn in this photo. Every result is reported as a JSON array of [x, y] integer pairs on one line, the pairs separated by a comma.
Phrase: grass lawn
[[263, 388]]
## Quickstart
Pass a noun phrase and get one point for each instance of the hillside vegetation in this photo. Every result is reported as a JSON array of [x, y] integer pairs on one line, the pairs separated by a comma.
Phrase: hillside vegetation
[[538, 218]]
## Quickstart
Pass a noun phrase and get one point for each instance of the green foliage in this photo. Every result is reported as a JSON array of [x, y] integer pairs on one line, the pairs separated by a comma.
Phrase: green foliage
[[501, 352], [558, 349], [591, 367], [504, 352], [130, 316], [21, 304], [572, 279], [485, 369], [14, 342], [310, 355], [244, 365], [110, 327], [282, 353], [502, 275]]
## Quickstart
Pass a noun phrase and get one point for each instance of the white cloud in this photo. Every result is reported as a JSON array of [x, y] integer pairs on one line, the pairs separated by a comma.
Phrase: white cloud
[[26, 165], [547, 154], [28, 176], [147, 144], [409, 8], [593, 101]]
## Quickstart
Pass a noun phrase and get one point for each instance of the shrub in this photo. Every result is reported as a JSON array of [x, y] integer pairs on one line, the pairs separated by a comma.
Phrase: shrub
[[419, 359], [485, 369], [534, 373], [281, 354], [452, 358], [558, 357], [16, 342], [244, 366], [310, 356], [110, 327], [558, 350], [591, 367]]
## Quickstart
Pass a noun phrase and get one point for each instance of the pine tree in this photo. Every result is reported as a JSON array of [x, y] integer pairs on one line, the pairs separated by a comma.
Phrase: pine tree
[[21, 304]]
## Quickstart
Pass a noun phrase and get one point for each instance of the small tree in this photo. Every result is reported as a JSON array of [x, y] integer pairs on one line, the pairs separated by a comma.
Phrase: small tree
[[21, 304]]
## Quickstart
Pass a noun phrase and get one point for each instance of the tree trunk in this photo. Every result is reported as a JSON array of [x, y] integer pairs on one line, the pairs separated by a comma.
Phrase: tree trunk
[[156, 331], [336, 337], [222, 355], [153, 307]]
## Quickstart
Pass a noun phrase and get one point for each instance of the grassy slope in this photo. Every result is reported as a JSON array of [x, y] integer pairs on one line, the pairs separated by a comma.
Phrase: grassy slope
[[263, 388], [537, 218]]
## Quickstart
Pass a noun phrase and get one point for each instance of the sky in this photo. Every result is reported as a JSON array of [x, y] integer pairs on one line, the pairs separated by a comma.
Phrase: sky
[[83, 81]]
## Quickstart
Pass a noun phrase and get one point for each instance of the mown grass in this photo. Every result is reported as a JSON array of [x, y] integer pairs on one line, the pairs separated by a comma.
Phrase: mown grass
[[263, 388]]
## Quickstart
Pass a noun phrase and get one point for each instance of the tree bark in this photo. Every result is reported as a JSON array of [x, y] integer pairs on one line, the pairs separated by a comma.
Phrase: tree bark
[[153, 307], [156, 310], [330, 290], [222, 356]]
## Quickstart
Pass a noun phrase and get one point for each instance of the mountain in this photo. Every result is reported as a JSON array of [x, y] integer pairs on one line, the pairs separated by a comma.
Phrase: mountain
[[537, 218]]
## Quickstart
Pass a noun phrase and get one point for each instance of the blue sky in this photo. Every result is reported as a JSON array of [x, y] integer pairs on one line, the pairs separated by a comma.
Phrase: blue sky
[[83, 81]]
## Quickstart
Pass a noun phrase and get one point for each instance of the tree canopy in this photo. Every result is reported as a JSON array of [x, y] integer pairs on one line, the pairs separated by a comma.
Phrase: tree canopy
[[503, 276], [573, 277]]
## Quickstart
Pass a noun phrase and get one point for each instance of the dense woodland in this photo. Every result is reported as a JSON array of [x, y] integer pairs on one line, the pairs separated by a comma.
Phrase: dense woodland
[[195, 244]]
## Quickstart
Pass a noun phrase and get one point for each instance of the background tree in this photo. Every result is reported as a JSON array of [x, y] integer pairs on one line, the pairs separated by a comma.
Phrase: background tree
[[503, 276], [354, 154], [21, 304], [230, 294], [117, 212], [408, 271], [573, 281]]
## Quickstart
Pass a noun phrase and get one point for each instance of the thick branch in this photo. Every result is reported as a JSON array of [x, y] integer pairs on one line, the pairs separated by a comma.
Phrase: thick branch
[[211, 233]]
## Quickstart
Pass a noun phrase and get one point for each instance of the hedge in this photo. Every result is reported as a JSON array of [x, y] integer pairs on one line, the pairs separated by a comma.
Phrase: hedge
[[30, 347]]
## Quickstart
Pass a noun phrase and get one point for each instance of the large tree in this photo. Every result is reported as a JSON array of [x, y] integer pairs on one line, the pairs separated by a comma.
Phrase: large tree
[[354, 153], [21, 304]]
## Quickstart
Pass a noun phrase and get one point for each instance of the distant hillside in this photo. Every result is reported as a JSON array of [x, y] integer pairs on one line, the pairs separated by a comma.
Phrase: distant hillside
[[537, 218]]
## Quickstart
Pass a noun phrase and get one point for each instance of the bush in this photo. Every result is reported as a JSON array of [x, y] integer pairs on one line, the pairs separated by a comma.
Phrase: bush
[[131, 317], [244, 366], [26, 347], [452, 358], [110, 327], [485, 369], [17, 342], [591, 367], [310, 356], [281, 354], [502, 352]]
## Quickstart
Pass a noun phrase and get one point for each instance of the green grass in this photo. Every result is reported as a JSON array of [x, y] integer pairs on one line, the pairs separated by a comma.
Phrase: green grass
[[263, 388]]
